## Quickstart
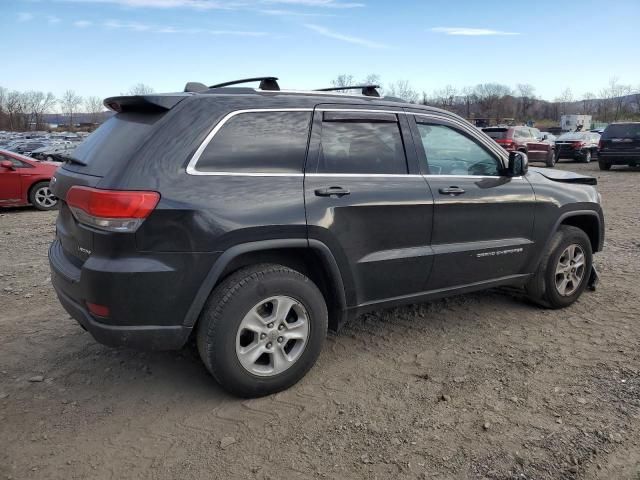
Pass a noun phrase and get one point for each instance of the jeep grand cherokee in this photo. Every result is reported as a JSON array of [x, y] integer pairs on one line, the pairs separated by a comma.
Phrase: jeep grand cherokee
[[256, 219]]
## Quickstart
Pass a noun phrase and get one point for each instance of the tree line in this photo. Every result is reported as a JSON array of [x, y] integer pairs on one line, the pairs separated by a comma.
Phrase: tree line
[[496, 102], [23, 111]]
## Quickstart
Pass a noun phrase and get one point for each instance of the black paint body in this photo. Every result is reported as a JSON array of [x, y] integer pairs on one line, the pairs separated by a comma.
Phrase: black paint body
[[392, 240]]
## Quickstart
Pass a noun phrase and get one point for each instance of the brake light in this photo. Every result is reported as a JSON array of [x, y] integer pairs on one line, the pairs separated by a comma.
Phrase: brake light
[[111, 210], [577, 144]]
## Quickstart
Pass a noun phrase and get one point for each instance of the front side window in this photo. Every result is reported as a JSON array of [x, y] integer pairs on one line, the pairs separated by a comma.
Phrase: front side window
[[450, 152], [361, 146], [16, 163], [258, 142]]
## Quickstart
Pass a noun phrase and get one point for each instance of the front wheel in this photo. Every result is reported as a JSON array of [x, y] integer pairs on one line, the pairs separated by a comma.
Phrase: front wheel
[[262, 329], [41, 197], [564, 270], [587, 157]]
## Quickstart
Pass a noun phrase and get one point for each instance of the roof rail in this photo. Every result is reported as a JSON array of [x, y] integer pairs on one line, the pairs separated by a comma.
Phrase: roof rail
[[266, 83], [367, 90]]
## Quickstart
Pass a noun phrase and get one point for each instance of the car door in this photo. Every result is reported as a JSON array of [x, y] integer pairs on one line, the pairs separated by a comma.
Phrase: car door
[[483, 220], [10, 182], [366, 200]]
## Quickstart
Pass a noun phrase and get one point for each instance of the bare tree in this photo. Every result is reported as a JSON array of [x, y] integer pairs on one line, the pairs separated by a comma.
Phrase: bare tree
[[446, 97], [402, 89], [15, 106], [469, 97], [140, 89], [588, 103], [527, 98], [491, 99], [94, 107], [70, 102]]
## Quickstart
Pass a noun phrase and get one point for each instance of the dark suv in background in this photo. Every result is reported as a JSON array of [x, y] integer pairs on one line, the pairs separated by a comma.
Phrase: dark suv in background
[[619, 145], [528, 140], [256, 219]]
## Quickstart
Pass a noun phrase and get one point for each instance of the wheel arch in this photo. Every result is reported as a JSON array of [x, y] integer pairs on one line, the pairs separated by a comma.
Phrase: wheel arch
[[589, 223], [310, 257]]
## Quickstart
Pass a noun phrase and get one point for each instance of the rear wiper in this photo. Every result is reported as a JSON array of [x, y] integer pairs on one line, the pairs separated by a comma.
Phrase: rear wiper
[[70, 159]]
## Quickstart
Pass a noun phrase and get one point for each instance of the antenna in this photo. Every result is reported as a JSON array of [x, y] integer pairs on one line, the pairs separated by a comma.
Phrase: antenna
[[367, 90], [266, 83]]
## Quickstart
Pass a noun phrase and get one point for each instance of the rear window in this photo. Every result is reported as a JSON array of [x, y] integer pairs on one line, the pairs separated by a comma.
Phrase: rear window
[[622, 130], [574, 136], [496, 133], [258, 142], [117, 139]]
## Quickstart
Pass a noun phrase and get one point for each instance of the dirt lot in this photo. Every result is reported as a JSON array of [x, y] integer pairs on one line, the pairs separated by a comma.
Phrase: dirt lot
[[477, 386]]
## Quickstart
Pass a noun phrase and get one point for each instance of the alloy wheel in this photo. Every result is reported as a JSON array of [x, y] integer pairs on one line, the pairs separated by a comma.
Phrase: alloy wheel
[[272, 336], [45, 198], [570, 270]]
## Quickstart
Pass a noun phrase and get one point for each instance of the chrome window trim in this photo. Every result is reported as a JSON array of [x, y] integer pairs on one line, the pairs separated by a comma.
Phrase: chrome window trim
[[191, 166], [192, 170]]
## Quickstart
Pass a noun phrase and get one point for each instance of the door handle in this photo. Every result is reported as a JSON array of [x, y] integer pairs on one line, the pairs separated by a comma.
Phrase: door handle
[[331, 191], [451, 191]]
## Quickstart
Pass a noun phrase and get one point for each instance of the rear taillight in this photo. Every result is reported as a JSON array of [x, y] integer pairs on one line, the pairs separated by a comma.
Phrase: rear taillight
[[577, 144], [111, 210]]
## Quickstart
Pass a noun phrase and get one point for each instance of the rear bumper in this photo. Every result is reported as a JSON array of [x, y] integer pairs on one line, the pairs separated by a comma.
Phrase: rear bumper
[[619, 157], [141, 337], [148, 295]]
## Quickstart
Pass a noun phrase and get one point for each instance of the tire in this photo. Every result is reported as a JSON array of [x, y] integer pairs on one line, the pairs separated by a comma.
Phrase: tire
[[543, 287], [604, 165], [249, 298], [41, 197], [551, 159], [587, 157], [49, 158]]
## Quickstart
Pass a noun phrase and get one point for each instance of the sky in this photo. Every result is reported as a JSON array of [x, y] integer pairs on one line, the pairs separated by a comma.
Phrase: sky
[[103, 47]]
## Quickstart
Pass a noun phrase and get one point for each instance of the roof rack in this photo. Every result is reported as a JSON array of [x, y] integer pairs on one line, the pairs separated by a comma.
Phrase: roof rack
[[266, 83], [367, 90]]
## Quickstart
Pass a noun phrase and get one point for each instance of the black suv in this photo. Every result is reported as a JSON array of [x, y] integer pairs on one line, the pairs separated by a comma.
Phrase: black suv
[[619, 145], [256, 219]]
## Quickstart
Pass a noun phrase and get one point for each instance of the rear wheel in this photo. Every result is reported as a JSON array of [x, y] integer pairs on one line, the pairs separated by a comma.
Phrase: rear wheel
[[551, 159], [564, 270], [262, 329], [603, 164], [41, 197]]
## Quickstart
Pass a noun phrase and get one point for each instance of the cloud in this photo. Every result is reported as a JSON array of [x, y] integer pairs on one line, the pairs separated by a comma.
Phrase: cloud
[[52, 19], [345, 38], [133, 26], [317, 3], [25, 16], [222, 5], [168, 29], [82, 23], [291, 13], [470, 32]]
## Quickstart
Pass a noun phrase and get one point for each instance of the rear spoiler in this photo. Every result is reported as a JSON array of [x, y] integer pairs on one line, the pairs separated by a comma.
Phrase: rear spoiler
[[154, 103]]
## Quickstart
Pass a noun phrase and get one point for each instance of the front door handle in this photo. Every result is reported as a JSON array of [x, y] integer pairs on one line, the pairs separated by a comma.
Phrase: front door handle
[[451, 191], [331, 191]]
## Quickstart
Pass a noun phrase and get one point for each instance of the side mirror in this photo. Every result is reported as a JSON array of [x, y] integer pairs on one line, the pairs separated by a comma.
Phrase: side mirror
[[7, 164], [518, 164]]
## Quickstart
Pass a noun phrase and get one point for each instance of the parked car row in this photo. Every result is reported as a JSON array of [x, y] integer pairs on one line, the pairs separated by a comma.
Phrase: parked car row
[[617, 144], [41, 145]]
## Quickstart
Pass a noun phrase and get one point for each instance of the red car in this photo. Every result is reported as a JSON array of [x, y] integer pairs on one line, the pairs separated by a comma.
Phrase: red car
[[524, 139], [25, 181]]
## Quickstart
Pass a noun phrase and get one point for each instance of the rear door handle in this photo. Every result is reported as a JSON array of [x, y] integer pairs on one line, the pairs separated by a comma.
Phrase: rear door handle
[[451, 191], [332, 191]]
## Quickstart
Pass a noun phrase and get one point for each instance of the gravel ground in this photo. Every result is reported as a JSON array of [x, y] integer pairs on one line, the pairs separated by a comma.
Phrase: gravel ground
[[475, 386]]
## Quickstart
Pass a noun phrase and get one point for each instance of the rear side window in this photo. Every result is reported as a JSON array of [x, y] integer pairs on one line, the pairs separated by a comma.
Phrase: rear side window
[[629, 130], [258, 142], [361, 145]]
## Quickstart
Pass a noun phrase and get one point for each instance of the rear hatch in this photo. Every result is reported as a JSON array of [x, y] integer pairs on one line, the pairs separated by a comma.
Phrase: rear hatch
[[621, 137], [105, 152], [570, 142], [500, 134]]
